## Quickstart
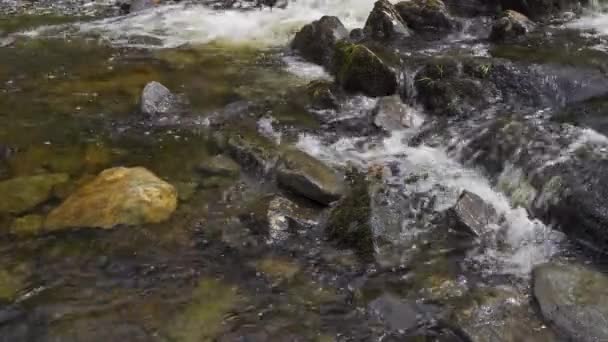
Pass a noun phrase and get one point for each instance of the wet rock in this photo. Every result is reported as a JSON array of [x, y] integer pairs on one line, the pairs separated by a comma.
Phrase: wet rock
[[427, 16], [392, 114], [27, 225], [471, 215], [511, 25], [253, 151], [349, 221], [538, 9], [473, 8], [25, 193], [322, 95], [574, 299], [395, 314], [156, 99], [385, 23], [276, 217], [129, 196], [306, 176], [220, 165], [356, 35], [315, 41], [203, 315], [358, 69], [7, 41]]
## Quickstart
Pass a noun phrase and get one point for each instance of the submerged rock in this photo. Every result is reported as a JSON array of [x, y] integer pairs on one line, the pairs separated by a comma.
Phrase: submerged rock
[[358, 69], [396, 314], [384, 22], [429, 16], [25, 193], [498, 315], [471, 214], [511, 25], [129, 196], [349, 222], [27, 225], [219, 165], [306, 176], [315, 41], [156, 99], [574, 299], [203, 315]]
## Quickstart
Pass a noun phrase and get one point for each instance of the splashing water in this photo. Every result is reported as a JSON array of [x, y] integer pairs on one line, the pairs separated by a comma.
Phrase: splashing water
[[525, 242], [175, 25]]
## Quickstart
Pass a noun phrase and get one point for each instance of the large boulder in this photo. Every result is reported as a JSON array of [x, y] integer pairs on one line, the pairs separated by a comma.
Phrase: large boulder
[[304, 175], [384, 22], [511, 25], [430, 16], [156, 99], [315, 41], [25, 193], [471, 215], [574, 299], [358, 69], [129, 196]]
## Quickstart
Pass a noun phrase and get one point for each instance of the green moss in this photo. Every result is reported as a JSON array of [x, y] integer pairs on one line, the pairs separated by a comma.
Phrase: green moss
[[349, 221], [12, 281], [24, 22], [24, 193], [27, 225], [278, 269], [202, 318]]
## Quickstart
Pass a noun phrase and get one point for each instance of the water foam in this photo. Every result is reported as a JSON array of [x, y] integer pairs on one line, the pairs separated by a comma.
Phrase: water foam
[[524, 242], [175, 25]]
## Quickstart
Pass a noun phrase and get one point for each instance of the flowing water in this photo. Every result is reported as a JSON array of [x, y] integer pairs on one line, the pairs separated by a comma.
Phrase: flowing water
[[68, 102]]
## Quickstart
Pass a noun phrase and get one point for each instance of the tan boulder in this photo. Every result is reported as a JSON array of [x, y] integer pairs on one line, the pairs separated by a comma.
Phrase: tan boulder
[[129, 196]]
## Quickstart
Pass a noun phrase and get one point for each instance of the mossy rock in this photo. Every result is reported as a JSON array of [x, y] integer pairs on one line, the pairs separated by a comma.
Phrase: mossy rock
[[315, 41], [427, 16], [25, 193], [358, 69], [322, 95], [128, 196], [349, 221], [384, 22], [12, 280], [28, 225], [202, 318], [252, 151]]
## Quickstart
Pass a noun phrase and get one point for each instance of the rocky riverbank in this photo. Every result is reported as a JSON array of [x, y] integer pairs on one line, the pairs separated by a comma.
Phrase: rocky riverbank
[[311, 172]]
